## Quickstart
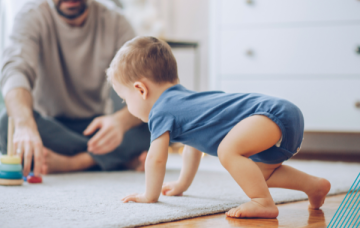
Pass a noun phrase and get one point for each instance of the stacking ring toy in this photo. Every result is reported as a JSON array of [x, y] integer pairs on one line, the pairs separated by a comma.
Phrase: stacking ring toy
[[10, 160], [11, 182], [10, 167], [34, 179], [11, 175]]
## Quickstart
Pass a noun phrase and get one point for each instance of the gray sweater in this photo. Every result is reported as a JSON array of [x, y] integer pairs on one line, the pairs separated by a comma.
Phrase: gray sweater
[[63, 66]]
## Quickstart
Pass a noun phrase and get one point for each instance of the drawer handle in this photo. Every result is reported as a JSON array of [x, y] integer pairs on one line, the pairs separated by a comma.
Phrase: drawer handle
[[358, 50], [357, 104]]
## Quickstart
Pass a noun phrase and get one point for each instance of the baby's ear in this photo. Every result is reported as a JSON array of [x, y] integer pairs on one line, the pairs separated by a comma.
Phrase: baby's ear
[[141, 88]]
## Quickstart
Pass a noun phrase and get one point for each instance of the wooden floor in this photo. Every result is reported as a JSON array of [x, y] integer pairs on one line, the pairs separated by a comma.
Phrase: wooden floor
[[291, 215]]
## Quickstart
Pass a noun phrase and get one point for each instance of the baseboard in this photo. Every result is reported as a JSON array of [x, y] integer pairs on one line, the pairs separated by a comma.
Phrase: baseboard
[[331, 143]]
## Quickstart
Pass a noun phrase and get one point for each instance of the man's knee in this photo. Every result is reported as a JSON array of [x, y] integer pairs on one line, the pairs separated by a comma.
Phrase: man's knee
[[3, 130]]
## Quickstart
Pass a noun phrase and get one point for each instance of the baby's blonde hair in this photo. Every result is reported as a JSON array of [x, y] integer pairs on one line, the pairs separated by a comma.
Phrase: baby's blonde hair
[[144, 57]]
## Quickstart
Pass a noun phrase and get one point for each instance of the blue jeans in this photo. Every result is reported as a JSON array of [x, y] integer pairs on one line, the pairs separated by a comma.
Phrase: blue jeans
[[65, 136]]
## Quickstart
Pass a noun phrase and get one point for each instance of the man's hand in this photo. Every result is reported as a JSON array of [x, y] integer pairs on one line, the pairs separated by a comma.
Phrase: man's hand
[[138, 198], [28, 143], [26, 139], [110, 134], [111, 131], [172, 189]]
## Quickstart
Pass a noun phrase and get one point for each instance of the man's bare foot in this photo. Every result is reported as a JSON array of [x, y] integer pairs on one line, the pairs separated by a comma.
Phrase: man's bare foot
[[256, 208], [319, 190], [141, 165], [138, 163], [57, 163], [54, 162]]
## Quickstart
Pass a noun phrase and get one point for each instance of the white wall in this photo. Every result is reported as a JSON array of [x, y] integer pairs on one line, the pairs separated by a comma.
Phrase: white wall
[[188, 20], [8, 11]]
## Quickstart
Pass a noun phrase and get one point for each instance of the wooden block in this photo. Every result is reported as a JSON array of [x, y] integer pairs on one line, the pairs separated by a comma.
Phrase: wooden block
[[11, 182]]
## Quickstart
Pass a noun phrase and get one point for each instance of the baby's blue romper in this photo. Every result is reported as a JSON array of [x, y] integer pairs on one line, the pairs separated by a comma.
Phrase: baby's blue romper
[[202, 120]]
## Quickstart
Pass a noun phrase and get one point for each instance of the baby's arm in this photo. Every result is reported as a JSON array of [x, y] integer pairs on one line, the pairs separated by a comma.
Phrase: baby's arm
[[191, 161], [155, 167]]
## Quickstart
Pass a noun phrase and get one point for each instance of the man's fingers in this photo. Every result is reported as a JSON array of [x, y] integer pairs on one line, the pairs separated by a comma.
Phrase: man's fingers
[[106, 138], [103, 140], [108, 143], [93, 142], [15, 146], [27, 158], [93, 126], [37, 159], [18, 149]]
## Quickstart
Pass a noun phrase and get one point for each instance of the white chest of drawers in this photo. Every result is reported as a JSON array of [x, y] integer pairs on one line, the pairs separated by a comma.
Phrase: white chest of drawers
[[305, 51]]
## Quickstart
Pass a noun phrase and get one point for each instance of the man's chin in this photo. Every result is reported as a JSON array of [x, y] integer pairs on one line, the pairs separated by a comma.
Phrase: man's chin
[[71, 16], [71, 12]]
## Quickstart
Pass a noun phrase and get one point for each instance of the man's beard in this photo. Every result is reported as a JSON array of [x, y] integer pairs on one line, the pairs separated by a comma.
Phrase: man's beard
[[81, 10]]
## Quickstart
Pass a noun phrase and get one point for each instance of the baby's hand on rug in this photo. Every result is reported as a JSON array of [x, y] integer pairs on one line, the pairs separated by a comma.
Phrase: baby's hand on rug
[[138, 198], [172, 189]]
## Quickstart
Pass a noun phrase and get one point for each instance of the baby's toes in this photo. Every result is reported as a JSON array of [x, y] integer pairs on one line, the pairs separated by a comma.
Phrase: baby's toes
[[237, 213], [231, 213]]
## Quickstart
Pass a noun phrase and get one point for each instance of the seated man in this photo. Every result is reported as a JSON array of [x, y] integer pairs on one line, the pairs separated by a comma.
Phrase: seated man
[[54, 84]]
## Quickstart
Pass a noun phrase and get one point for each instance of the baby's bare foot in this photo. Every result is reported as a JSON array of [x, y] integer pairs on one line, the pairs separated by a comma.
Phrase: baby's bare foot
[[256, 208], [319, 190]]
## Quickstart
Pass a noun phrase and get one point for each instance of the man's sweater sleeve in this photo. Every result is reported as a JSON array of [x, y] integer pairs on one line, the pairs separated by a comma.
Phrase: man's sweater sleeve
[[20, 58]]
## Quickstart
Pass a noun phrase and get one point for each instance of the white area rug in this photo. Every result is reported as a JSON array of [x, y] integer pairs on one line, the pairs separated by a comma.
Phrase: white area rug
[[93, 199]]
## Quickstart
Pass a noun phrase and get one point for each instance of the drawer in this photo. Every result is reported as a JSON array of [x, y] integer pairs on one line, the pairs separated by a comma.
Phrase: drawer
[[253, 12], [327, 105], [327, 50]]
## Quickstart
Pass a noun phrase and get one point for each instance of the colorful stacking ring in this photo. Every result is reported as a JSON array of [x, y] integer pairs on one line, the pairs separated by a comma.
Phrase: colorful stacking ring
[[10, 160], [11, 182], [34, 179], [11, 175], [10, 167]]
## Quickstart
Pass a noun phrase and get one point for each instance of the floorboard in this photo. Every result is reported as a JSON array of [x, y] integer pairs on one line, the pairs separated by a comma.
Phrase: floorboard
[[292, 215]]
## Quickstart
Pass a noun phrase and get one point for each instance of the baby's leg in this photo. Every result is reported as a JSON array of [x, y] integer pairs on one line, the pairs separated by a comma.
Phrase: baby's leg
[[250, 136], [287, 177]]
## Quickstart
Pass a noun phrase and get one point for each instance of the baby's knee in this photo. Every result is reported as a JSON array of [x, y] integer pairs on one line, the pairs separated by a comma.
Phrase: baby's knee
[[227, 151], [225, 154]]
